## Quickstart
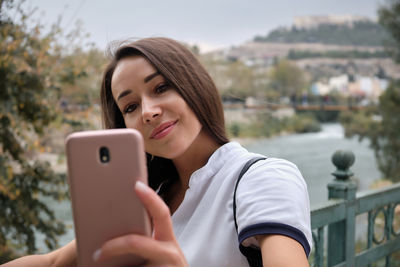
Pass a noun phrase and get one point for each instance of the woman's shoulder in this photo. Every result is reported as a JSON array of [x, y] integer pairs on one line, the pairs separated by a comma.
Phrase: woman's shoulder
[[273, 194], [277, 166], [231, 159], [272, 173]]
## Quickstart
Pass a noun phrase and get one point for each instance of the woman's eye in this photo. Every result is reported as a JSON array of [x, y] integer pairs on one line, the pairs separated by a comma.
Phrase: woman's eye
[[130, 108], [161, 88]]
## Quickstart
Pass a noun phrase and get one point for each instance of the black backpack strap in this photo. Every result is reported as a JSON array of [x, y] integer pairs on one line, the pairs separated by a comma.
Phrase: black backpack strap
[[253, 256], [244, 170]]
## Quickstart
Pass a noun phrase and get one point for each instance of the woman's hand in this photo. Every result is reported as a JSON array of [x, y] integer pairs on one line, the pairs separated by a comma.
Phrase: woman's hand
[[161, 249]]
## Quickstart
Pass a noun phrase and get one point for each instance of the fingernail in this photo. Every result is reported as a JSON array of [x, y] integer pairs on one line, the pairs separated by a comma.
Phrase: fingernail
[[96, 255], [141, 186]]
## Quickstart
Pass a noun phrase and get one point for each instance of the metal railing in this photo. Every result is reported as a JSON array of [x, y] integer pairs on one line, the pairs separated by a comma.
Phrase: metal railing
[[334, 222]]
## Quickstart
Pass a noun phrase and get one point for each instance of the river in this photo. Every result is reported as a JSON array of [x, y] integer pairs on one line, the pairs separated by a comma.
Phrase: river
[[311, 152]]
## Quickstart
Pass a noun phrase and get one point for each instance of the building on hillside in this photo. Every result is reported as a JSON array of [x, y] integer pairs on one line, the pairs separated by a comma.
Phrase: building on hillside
[[362, 87], [354, 89], [373, 87], [310, 22], [320, 88], [339, 83]]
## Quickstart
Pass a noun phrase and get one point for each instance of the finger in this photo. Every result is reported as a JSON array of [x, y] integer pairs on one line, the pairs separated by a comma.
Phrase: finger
[[142, 246], [158, 211]]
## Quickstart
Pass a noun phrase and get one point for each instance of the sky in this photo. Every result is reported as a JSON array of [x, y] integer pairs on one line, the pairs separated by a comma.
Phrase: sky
[[210, 24]]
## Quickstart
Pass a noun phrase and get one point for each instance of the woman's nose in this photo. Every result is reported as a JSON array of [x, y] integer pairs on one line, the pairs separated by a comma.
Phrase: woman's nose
[[150, 110]]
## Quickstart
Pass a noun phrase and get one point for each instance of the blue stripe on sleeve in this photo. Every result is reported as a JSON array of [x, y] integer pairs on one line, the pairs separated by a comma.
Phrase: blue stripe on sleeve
[[275, 228]]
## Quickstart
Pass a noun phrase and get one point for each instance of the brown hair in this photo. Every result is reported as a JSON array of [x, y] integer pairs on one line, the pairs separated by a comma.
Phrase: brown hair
[[185, 74]]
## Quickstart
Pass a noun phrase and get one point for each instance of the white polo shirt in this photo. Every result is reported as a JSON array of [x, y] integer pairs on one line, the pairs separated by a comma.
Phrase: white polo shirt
[[271, 198]]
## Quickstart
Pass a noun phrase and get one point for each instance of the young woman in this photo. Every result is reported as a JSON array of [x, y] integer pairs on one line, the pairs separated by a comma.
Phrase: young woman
[[157, 86]]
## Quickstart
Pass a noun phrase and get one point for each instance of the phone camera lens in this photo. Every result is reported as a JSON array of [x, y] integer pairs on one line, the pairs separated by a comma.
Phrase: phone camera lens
[[104, 155]]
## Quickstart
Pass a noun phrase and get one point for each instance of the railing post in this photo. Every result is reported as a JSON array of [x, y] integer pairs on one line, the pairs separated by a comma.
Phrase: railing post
[[341, 241]]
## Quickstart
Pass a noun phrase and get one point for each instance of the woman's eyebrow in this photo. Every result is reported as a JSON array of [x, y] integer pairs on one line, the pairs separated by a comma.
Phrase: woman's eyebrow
[[151, 76], [124, 93], [146, 80]]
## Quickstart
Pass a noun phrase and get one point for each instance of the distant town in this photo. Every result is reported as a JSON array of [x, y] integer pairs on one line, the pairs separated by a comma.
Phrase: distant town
[[341, 56]]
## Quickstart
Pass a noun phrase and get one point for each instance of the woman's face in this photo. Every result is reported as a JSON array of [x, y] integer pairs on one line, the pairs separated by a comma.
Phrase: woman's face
[[151, 106]]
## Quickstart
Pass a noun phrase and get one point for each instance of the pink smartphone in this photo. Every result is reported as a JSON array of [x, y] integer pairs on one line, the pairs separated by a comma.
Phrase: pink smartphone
[[103, 167]]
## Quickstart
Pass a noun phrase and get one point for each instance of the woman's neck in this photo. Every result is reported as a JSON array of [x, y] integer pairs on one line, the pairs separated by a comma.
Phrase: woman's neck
[[195, 157]]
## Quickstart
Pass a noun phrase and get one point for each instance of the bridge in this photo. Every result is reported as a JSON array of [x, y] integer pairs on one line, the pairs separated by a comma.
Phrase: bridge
[[323, 112], [334, 222], [309, 106], [327, 107], [306, 107]]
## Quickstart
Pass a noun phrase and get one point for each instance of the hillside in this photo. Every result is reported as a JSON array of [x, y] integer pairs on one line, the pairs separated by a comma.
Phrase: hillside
[[358, 33]]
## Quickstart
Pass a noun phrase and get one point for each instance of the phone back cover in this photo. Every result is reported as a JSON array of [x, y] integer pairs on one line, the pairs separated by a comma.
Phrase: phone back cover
[[104, 203]]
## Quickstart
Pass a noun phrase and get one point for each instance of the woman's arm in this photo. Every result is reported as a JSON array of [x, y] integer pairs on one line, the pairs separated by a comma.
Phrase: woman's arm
[[31, 260], [280, 250], [62, 257]]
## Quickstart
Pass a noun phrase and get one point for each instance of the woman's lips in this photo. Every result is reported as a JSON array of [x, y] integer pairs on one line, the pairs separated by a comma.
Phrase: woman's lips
[[163, 130]]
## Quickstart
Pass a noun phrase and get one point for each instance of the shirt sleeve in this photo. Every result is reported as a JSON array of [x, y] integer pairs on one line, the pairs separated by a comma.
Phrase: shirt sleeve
[[272, 198]]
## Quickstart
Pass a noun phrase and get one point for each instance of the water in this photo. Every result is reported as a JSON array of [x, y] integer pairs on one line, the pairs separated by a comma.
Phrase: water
[[311, 152]]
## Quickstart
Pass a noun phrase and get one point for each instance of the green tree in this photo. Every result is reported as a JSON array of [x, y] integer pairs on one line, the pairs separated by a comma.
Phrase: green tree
[[363, 33], [240, 80], [233, 78], [287, 79], [84, 92], [387, 143], [382, 125], [33, 67], [389, 16]]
